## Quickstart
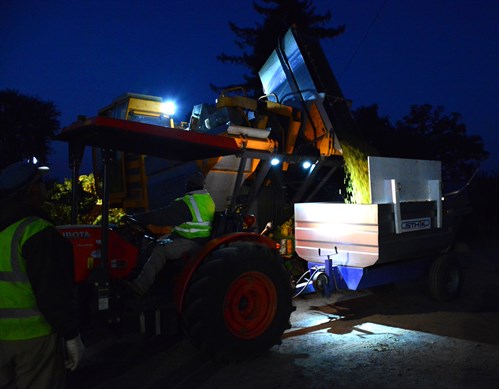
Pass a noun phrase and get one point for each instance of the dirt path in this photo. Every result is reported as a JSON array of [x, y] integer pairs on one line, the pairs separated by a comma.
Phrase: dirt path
[[395, 339]]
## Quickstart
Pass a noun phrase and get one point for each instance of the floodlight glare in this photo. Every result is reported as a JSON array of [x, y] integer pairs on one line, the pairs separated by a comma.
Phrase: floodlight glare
[[168, 108], [275, 161], [306, 165]]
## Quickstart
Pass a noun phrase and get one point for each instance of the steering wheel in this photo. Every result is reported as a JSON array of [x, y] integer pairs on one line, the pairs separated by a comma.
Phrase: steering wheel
[[137, 229]]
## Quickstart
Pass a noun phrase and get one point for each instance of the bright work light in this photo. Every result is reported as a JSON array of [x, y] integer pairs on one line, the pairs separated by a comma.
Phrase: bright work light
[[168, 108], [275, 161]]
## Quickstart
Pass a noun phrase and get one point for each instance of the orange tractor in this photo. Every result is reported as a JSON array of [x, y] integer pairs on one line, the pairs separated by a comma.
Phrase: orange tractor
[[234, 296]]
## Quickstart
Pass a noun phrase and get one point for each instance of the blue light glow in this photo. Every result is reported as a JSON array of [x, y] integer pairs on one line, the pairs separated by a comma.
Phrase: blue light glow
[[275, 161]]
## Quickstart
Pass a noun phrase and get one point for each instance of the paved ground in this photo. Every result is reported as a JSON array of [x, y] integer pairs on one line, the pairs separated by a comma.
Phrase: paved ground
[[394, 339]]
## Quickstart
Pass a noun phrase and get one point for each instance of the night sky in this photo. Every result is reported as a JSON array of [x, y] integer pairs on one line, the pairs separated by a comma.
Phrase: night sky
[[83, 54]]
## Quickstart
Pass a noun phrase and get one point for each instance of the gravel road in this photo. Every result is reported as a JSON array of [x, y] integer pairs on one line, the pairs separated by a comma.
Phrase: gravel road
[[393, 339]]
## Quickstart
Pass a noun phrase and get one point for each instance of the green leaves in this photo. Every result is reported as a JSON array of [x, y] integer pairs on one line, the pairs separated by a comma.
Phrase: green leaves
[[89, 205]]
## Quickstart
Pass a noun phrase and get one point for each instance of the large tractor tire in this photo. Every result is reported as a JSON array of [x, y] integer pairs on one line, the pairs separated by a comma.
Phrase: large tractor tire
[[239, 302], [445, 278]]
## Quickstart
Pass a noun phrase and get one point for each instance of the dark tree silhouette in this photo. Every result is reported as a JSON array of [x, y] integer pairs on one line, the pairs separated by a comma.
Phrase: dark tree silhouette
[[376, 130], [27, 125], [425, 133], [429, 133], [257, 43]]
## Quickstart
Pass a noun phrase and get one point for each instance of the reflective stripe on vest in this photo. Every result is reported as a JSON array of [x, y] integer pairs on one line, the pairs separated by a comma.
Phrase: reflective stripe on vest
[[202, 210], [19, 315]]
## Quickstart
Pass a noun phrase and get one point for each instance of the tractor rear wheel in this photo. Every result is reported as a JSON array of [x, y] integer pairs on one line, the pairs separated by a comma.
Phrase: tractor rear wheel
[[239, 302]]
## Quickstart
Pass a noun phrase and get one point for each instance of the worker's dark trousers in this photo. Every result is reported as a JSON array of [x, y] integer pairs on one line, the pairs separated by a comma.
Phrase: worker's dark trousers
[[166, 250], [32, 364]]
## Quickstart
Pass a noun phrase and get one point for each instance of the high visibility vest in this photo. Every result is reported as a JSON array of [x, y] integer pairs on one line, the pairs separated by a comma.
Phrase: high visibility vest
[[202, 210], [19, 314]]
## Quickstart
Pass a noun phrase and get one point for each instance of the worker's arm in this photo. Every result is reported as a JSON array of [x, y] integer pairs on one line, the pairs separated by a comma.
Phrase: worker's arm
[[176, 213], [50, 269]]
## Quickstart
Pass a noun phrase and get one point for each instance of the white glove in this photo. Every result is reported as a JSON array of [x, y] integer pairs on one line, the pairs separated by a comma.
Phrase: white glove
[[74, 353]]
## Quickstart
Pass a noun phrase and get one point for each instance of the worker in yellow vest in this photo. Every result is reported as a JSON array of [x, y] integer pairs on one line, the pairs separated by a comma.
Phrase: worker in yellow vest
[[190, 217], [39, 334]]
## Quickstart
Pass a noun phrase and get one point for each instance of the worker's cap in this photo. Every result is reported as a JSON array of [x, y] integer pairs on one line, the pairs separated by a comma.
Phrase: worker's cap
[[195, 180], [19, 176]]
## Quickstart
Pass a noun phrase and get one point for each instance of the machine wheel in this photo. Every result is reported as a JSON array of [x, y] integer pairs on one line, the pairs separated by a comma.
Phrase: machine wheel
[[445, 278], [239, 302]]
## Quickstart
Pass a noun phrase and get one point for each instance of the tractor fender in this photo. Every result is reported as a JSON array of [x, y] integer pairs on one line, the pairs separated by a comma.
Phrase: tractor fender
[[195, 261]]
